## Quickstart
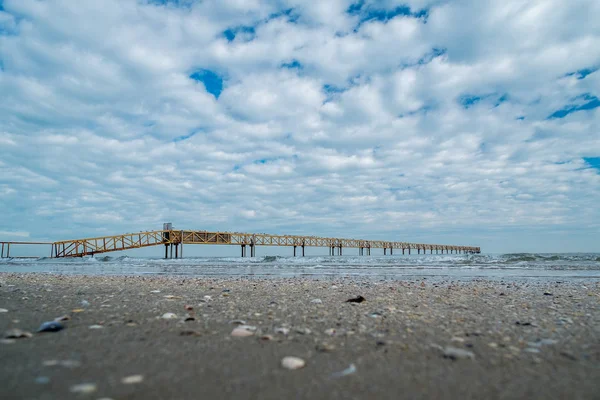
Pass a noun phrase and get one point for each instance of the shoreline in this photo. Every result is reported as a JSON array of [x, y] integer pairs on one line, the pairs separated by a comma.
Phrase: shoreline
[[417, 339]]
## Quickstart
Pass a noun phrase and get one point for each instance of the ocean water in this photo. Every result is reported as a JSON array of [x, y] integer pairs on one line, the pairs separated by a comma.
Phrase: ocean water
[[573, 266]]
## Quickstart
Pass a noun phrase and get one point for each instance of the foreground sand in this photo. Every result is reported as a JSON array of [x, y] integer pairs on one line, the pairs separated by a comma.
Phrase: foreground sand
[[524, 343]]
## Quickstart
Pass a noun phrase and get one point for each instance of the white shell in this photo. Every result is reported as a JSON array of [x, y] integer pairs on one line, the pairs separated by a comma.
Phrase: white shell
[[292, 362], [241, 331], [128, 380], [169, 315]]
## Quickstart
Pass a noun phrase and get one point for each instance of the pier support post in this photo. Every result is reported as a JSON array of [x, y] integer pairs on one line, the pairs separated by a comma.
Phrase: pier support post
[[369, 250], [384, 251], [391, 251], [243, 250], [2, 253], [340, 249], [302, 250], [177, 250], [294, 251], [252, 250], [166, 251], [409, 251]]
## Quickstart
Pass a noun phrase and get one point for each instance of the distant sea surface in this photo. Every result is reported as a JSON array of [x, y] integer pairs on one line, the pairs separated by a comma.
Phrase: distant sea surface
[[573, 266]]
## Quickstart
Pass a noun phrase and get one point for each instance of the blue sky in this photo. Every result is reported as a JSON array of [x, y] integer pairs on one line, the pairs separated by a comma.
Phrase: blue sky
[[462, 122]]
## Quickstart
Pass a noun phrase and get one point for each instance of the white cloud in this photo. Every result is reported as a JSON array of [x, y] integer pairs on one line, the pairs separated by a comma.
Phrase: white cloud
[[396, 128]]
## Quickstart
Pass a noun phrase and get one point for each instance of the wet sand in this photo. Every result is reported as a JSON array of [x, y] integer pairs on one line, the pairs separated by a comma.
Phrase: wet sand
[[408, 339]]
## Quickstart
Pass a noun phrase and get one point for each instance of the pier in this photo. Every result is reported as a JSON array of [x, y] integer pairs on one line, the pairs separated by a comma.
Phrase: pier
[[174, 240]]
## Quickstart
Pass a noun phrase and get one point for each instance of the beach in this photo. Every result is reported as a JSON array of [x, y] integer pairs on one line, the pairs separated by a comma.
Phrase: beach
[[161, 337]]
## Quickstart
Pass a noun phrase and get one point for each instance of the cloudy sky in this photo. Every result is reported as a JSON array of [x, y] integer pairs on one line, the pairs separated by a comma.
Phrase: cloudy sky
[[439, 121]]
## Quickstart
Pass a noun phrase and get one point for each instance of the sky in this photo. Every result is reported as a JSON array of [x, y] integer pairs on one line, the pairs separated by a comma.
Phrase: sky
[[434, 121]]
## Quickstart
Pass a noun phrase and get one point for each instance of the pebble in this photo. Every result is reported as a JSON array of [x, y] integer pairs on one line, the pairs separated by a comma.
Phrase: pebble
[[42, 380], [532, 350], [169, 315], [282, 330], [455, 353], [62, 318], [325, 347], [237, 322], [133, 379], [266, 337], [243, 331], [190, 332], [95, 327], [348, 371], [155, 291], [51, 326], [7, 341], [85, 303], [317, 301], [83, 388], [3, 310], [62, 363], [457, 339], [17, 334], [330, 332], [292, 362]]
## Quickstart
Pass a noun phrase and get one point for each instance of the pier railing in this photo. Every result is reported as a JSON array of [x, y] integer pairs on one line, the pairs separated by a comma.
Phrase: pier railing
[[175, 239]]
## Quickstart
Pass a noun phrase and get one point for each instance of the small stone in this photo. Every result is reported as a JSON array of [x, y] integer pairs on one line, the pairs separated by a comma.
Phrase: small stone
[[237, 322], [62, 318], [292, 363], [330, 332], [190, 332], [547, 294], [169, 315], [188, 307], [266, 337], [243, 331], [3, 310], [51, 326], [77, 310], [85, 303], [348, 371], [455, 353], [155, 291], [317, 301], [170, 297], [129, 380], [568, 355], [95, 327], [42, 380], [532, 350], [17, 334], [303, 331], [493, 345], [357, 299], [282, 330], [325, 347], [189, 318], [8, 341], [84, 388], [457, 339]]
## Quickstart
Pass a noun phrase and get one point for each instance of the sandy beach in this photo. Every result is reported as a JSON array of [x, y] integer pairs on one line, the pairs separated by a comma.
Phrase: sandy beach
[[171, 338]]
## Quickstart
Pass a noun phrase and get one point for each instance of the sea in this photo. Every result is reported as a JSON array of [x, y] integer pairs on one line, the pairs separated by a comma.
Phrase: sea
[[522, 266]]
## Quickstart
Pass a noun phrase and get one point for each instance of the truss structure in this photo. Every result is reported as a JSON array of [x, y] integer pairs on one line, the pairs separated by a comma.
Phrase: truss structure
[[91, 246]]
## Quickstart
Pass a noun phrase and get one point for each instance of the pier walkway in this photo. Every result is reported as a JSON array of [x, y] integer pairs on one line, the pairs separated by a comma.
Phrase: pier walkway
[[174, 240]]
